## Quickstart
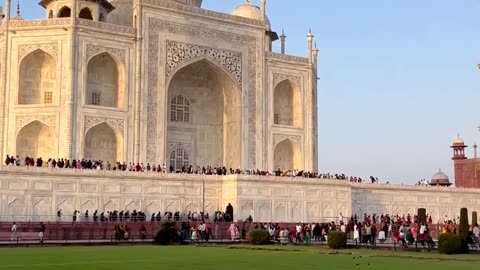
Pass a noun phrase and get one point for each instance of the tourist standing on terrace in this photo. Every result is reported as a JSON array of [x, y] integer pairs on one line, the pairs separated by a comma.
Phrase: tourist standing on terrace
[[13, 231], [41, 233]]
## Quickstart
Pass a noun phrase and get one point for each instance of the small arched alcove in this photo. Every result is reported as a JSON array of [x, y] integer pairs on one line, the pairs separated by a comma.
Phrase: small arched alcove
[[86, 14], [64, 12]]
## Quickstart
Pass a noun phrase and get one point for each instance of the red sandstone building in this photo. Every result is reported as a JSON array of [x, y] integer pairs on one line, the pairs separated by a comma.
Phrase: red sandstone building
[[467, 171]]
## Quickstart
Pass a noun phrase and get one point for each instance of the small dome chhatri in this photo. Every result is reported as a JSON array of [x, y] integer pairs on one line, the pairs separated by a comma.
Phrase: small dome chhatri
[[251, 11], [440, 179], [459, 140]]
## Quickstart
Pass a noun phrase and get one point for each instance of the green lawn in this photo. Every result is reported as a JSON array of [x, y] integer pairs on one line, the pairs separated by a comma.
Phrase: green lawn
[[203, 258]]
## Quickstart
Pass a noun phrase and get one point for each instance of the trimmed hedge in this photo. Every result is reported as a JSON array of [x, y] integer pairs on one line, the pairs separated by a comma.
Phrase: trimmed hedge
[[337, 240], [474, 218], [464, 229], [450, 243], [168, 235], [258, 237]]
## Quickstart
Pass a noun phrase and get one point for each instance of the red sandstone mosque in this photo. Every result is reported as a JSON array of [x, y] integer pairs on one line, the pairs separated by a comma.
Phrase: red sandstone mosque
[[466, 169]]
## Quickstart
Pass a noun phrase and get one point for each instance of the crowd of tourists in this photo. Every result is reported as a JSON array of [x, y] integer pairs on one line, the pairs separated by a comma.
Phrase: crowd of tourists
[[85, 164], [140, 216]]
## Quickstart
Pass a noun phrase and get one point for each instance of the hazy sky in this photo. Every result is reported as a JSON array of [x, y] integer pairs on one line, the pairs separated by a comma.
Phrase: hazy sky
[[398, 79]]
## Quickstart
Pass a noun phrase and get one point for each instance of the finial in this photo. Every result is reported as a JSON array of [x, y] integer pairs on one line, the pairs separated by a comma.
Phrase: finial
[[18, 8], [310, 33], [283, 33]]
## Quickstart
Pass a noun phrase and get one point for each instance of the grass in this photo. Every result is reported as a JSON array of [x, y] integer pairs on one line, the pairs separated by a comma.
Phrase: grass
[[232, 258]]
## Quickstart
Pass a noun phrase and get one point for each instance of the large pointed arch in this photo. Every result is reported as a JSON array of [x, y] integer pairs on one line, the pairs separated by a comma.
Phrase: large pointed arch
[[38, 79], [105, 81], [287, 104], [214, 126], [103, 143], [287, 156], [202, 59], [36, 140]]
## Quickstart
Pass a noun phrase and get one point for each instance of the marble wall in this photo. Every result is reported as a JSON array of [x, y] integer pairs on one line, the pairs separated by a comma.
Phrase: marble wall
[[38, 194]]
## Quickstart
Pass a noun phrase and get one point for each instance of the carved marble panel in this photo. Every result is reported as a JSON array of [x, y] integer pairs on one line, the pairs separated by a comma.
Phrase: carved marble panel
[[280, 192], [153, 189], [111, 204], [24, 49], [172, 190], [313, 209], [66, 204], [264, 191], [17, 185], [132, 189], [111, 188], [195, 191], [23, 120], [43, 185], [88, 203], [132, 204], [91, 121], [311, 194], [89, 188], [296, 193], [278, 78], [65, 187], [119, 54], [41, 207], [172, 205], [278, 138], [327, 194], [179, 53]]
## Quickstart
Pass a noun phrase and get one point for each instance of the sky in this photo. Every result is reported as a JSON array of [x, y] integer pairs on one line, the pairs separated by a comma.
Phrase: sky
[[398, 79]]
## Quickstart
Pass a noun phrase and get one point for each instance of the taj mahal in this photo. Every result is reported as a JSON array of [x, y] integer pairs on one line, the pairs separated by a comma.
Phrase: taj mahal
[[169, 82]]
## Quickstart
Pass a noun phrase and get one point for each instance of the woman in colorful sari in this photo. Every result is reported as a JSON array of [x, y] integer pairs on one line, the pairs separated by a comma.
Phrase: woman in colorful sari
[[233, 232]]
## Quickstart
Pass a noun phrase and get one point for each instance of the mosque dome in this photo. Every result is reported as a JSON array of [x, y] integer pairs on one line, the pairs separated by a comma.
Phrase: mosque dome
[[458, 141], [440, 179], [251, 11]]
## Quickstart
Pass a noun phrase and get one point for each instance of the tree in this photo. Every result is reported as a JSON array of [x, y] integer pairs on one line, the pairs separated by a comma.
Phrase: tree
[[474, 218], [464, 229]]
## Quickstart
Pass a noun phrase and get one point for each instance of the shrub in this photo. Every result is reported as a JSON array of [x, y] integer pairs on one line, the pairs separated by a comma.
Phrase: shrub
[[337, 240], [474, 218], [464, 229], [258, 237], [450, 243], [168, 235]]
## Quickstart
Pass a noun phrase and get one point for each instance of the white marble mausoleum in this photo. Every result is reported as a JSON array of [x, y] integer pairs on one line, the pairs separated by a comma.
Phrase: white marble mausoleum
[[158, 81], [168, 82]]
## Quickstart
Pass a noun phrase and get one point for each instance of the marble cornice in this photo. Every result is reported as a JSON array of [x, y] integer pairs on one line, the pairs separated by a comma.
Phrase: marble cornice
[[109, 28], [287, 58], [191, 10], [20, 24]]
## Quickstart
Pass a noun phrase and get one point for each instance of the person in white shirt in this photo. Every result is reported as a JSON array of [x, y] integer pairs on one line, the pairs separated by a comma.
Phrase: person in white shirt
[[340, 218], [13, 231], [343, 228], [476, 234]]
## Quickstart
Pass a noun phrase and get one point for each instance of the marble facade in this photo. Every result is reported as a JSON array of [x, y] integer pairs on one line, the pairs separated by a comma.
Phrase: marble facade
[[38, 193], [156, 81]]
